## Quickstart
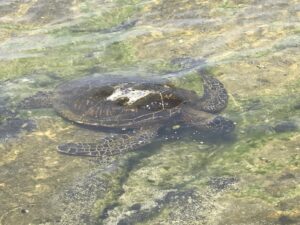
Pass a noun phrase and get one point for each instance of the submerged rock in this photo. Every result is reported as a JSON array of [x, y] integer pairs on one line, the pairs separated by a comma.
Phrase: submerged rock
[[12, 127], [187, 62], [221, 183], [297, 106], [284, 220], [186, 206], [285, 126]]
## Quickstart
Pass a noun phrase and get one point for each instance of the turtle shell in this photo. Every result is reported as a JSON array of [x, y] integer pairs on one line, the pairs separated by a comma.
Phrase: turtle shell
[[116, 102]]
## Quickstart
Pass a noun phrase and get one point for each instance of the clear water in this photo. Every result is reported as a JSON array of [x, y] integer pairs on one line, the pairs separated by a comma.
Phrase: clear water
[[253, 47]]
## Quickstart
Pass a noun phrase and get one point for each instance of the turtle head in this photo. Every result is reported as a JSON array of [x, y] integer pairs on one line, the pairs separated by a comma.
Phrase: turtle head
[[207, 122], [220, 125]]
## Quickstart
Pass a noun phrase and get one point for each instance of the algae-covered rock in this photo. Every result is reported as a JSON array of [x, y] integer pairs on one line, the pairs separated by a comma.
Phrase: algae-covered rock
[[12, 126], [252, 47], [285, 126]]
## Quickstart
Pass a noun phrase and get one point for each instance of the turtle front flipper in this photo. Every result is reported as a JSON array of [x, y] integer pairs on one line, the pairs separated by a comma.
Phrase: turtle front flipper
[[111, 145], [37, 101], [215, 96]]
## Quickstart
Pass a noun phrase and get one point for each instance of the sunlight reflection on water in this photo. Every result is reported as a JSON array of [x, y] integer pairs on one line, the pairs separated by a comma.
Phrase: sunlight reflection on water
[[250, 46]]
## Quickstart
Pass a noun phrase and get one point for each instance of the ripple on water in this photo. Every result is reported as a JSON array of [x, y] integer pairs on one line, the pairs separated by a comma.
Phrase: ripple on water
[[251, 46]]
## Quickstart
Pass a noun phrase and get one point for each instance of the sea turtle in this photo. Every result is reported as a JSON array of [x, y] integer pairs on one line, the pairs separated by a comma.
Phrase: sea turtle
[[135, 108]]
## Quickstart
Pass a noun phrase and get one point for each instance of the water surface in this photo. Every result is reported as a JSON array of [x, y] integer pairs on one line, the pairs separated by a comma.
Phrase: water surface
[[253, 47]]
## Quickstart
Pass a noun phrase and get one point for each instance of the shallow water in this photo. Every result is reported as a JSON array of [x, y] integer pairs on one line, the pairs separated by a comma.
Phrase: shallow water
[[250, 46]]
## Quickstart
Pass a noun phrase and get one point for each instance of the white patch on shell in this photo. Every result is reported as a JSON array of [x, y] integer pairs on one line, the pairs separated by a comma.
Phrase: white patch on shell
[[132, 94]]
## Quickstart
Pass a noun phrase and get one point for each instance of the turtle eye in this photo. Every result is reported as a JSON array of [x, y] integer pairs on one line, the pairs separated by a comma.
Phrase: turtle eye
[[217, 121]]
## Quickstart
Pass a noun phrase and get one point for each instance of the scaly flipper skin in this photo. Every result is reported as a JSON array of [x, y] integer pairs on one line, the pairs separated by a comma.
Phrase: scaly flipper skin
[[109, 146], [215, 97], [37, 101]]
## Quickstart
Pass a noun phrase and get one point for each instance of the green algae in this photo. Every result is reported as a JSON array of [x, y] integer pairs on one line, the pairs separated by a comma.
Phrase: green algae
[[230, 4], [69, 59], [258, 63], [119, 53], [67, 63], [106, 20]]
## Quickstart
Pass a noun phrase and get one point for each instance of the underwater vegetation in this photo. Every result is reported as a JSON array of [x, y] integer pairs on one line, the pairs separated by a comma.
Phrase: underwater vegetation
[[252, 47]]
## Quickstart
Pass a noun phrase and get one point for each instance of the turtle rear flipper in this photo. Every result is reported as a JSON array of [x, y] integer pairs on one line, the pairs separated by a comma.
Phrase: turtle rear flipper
[[111, 145], [37, 101]]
